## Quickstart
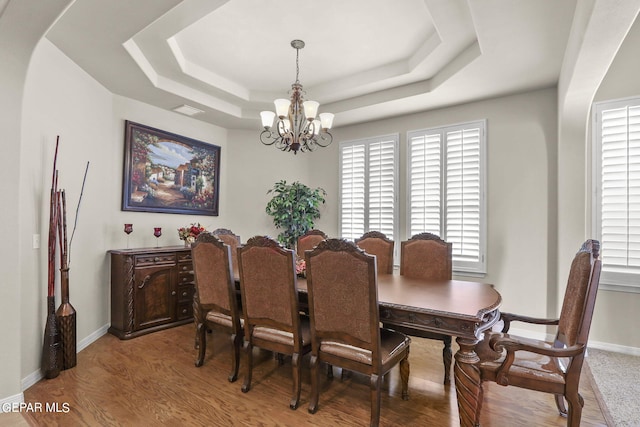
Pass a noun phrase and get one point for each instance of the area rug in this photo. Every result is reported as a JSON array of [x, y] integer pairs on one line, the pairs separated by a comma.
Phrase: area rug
[[617, 378]]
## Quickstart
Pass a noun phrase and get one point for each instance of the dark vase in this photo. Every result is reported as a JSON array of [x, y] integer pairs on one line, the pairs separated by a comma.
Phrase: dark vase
[[51, 363], [66, 317]]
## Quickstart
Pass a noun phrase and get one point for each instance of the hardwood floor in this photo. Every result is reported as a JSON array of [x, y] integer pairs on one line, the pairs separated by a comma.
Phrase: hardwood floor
[[151, 380]]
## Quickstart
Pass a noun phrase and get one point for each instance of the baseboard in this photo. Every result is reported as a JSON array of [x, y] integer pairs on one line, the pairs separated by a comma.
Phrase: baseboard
[[92, 337], [632, 351], [36, 376], [7, 403]]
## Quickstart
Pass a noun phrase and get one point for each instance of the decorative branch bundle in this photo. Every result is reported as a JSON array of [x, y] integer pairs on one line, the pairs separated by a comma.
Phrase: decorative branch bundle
[[59, 350], [51, 363]]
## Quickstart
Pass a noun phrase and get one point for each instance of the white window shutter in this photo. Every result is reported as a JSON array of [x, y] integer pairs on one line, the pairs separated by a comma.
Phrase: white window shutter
[[425, 184], [382, 187], [463, 193], [446, 190], [620, 189], [352, 191], [368, 187]]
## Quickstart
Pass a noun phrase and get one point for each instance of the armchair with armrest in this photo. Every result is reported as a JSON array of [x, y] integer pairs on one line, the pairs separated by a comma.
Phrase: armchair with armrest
[[549, 367]]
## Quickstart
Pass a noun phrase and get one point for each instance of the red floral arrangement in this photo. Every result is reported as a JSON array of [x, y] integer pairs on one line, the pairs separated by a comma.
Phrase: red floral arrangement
[[191, 232], [301, 267]]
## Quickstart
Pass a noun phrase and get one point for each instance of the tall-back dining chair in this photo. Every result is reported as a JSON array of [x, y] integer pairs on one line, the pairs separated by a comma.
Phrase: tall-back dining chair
[[215, 301], [377, 243], [426, 256], [231, 239], [345, 329], [308, 241], [270, 306], [550, 367]]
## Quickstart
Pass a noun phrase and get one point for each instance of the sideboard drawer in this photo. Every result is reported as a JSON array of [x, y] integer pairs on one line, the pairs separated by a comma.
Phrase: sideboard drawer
[[155, 259]]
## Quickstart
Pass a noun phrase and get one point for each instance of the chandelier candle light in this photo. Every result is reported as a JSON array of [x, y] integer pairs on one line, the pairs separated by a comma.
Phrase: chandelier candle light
[[297, 128]]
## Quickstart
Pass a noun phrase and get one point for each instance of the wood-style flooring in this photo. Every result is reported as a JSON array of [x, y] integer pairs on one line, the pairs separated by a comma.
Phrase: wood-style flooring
[[151, 380]]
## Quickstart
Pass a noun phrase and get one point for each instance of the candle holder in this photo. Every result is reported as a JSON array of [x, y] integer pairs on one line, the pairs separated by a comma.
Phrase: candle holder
[[128, 228], [157, 231]]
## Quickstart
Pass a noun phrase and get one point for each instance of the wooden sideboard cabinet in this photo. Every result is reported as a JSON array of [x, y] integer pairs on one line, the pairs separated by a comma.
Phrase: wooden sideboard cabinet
[[151, 289]]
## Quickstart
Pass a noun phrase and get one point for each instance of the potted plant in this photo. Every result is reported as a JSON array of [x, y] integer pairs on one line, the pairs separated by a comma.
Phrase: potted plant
[[294, 207]]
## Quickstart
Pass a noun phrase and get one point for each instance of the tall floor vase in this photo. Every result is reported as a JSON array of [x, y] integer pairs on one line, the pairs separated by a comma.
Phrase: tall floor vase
[[66, 316], [51, 363]]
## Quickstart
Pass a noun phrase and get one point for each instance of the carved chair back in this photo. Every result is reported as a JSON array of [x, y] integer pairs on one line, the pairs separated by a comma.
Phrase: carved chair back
[[376, 243], [308, 241], [231, 239], [426, 256]]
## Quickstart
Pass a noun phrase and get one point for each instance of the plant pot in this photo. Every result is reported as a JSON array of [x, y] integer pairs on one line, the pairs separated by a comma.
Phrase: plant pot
[[51, 363], [66, 317]]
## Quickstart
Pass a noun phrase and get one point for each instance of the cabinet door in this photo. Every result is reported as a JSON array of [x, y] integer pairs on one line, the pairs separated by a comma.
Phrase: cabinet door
[[154, 297]]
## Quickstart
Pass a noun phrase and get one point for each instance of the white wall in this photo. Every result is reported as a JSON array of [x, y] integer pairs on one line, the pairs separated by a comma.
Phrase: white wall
[[521, 181], [617, 316], [253, 170], [61, 99], [21, 26]]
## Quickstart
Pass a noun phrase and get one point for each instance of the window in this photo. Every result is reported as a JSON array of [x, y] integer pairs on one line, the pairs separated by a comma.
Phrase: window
[[446, 181], [369, 187], [617, 191]]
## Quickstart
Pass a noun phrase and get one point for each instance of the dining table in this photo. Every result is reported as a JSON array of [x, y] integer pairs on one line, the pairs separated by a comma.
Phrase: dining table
[[459, 308]]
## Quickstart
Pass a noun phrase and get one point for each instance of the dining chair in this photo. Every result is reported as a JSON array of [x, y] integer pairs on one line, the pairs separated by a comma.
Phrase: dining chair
[[549, 367], [270, 306], [426, 256], [377, 243], [308, 241], [215, 301], [231, 239], [345, 330]]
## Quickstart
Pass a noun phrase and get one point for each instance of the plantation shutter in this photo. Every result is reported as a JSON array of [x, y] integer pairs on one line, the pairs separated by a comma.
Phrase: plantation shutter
[[382, 187], [620, 189], [352, 191], [425, 184], [368, 187], [463, 193], [446, 189]]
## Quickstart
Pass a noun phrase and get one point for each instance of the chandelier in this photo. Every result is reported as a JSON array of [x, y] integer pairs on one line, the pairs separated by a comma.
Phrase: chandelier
[[297, 128]]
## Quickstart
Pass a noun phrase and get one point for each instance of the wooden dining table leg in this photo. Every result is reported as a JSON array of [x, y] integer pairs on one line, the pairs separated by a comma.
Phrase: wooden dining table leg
[[468, 383]]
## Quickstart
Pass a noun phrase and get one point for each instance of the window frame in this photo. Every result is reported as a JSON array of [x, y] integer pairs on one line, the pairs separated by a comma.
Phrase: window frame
[[610, 278], [464, 268], [366, 142]]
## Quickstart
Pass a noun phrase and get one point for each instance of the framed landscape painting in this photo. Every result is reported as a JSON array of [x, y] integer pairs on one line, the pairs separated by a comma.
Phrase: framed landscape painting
[[165, 172]]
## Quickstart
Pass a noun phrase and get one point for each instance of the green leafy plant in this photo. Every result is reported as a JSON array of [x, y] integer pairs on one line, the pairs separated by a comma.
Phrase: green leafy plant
[[293, 208]]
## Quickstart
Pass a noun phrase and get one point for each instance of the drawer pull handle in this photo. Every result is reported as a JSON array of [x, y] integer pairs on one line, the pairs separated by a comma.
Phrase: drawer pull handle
[[184, 294], [173, 293], [156, 259], [144, 282], [184, 311], [184, 268]]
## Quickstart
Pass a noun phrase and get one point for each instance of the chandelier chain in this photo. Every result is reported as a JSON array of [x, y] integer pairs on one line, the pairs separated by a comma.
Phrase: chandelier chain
[[297, 66]]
